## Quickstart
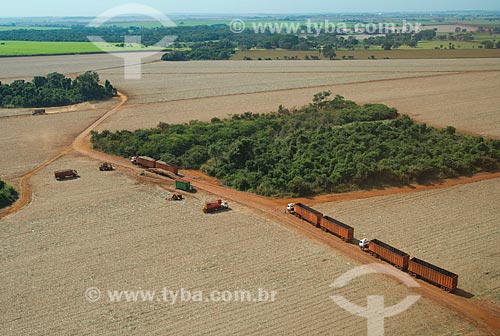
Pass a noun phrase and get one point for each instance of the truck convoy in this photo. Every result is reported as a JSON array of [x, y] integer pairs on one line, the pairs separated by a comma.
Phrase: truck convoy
[[415, 267], [214, 206]]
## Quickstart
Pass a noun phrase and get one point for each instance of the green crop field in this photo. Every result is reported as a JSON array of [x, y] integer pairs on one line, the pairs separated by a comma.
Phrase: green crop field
[[6, 28], [28, 48]]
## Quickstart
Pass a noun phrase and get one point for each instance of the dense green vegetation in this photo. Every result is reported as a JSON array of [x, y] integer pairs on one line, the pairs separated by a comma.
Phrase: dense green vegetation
[[197, 39], [54, 90], [332, 145], [203, 51], [8, 194]]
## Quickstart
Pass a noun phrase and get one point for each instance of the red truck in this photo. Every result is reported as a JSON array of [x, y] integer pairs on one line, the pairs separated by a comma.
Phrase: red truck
[[306, 213], [215, 206], [65, 174], [386, 252], [338, 228], [433, 274]]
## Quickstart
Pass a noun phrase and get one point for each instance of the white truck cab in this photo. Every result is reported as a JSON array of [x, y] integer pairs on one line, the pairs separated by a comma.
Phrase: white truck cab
[[364, 243], [290, 207], [133, 159]]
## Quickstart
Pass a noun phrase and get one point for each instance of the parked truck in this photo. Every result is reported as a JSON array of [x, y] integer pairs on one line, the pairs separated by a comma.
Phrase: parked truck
[[167, 167], [38, 112], [183, 185], [338, 228], [145, 161], [433, 274], [306, 213], [386, 252], [65, 174], [215, 206]]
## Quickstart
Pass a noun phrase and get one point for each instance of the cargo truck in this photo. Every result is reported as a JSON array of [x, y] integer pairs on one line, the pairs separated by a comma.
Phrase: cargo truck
[[306, 213], [145, 161], [386, 252], [215, 206], [338, 228], [167, 167], [433, 274], [65, 174], [183, 185]]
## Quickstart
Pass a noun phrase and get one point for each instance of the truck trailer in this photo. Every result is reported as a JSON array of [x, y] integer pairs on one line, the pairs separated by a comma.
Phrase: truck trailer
[[433, 274], [306, 213], [386, 252], [65, 174], [338, 228]]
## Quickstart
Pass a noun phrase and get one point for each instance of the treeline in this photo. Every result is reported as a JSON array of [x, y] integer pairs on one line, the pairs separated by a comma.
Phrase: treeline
[[203, 51], [332, 145], [8, 194], [187, 36], [55, 90]]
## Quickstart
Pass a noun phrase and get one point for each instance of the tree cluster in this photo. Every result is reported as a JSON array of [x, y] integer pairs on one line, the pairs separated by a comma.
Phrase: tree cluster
[[331, 145], [54, 90], [203, 51], [8, 194]]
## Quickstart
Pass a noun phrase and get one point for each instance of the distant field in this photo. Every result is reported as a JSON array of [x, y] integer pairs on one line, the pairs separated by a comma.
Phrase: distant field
[[414, 53], [5, 28], [28, 48]]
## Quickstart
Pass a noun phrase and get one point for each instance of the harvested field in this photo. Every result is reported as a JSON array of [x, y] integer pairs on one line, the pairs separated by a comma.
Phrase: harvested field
[[33, 139], [428, 53], [467, 101], [110, 231], [116, 233], [458, 229]]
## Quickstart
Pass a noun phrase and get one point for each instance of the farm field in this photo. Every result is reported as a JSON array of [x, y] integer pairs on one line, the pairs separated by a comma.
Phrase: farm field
[[28, 48], [118, 233], [426, 52], [114, 231], [477, 92], [47, 135], [457, 230]]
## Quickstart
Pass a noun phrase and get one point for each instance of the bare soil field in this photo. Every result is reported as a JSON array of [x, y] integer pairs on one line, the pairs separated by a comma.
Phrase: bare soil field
[[165, 81], [109, 231], [467, 101], [26, 67], [30, 140], [378, 54], [455, 228]]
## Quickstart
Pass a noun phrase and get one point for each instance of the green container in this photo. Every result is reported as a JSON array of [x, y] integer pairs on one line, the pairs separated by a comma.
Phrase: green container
[[186, 186]]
